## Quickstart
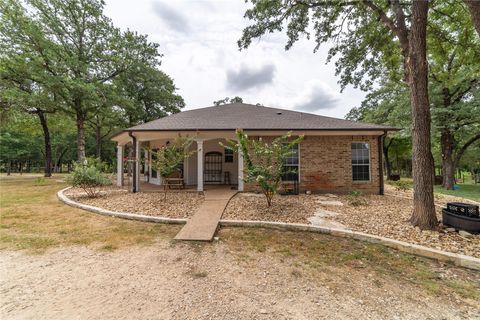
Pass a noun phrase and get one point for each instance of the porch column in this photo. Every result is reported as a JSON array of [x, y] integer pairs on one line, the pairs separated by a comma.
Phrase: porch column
[[119, 166], [240, 170], [146, 166], [137, 166], [199, 165]]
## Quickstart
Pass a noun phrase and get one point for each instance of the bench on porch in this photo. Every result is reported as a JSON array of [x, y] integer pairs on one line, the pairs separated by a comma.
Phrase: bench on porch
[[175, 181]]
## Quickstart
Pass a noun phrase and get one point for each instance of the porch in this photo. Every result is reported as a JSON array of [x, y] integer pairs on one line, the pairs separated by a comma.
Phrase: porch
[[210, 165]]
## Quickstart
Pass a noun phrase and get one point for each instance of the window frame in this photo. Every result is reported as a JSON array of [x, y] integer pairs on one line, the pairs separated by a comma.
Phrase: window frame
[[369, 161], [295, 165]]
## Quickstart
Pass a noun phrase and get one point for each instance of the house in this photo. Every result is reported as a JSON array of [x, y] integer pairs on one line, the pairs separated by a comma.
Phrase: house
[[336, 155]]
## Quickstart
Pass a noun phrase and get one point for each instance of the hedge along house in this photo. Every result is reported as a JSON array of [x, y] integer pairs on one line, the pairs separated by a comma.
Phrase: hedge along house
[[336, 155]]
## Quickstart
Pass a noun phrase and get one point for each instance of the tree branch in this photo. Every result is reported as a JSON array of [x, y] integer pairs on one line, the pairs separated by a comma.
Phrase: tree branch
[[462, 150]]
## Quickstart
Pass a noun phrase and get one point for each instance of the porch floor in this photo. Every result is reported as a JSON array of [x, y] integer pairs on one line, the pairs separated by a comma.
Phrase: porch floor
[[204, 223]]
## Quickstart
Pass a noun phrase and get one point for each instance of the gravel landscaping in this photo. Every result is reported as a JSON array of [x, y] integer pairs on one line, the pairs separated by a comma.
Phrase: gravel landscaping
[[179, 204], [385, 216]]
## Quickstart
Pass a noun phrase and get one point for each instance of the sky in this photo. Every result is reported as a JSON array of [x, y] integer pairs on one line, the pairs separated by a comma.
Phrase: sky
[[198, 40]]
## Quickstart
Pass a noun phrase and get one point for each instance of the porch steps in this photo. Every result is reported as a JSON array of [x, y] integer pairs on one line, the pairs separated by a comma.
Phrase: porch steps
[[203, 224]]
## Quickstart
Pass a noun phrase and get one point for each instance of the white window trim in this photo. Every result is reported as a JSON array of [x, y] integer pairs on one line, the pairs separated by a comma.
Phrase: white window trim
[[299, 163], [369, 162]]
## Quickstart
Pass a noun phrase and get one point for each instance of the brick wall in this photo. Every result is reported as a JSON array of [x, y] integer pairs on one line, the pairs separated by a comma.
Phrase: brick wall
[[326, 165]]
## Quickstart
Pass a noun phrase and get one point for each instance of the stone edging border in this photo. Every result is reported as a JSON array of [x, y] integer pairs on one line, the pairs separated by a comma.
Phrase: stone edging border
[[124, 215], [457, 259]]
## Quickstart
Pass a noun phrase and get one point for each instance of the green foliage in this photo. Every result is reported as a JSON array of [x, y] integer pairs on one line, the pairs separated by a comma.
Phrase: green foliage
[[147, 94], [89, 176], [227, 100], [356, 198], [66, 56], [402, 185], [264, 161], [167, 159]]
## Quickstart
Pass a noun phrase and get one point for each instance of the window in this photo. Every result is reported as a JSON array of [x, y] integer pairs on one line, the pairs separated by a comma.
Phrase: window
[[290, 166], [360, 161], [228, 155]]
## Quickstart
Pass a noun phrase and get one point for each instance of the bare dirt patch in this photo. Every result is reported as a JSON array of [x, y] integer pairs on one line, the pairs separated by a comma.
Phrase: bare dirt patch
[[386, 216], [248, 274], [178, 204]]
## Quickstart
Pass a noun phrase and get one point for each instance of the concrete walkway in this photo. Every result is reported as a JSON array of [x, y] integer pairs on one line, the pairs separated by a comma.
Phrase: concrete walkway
[[203, 224]]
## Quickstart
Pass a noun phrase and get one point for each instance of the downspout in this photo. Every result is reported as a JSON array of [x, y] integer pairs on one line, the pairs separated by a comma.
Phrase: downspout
[[381, 190], [134, 175]]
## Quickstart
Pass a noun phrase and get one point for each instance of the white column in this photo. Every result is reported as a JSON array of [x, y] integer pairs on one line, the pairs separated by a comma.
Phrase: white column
[[119, 166], [199, 165], [137, 165], [240, 170]]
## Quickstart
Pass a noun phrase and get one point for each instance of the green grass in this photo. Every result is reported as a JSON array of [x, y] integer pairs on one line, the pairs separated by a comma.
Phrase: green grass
[[468, 191], [33, 219]]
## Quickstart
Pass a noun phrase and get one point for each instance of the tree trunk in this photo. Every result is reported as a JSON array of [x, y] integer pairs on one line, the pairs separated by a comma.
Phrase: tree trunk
[[48, 145], [80, 137], [423, 215], [60, 158], [388, 164], [448, 168], [474, 7]]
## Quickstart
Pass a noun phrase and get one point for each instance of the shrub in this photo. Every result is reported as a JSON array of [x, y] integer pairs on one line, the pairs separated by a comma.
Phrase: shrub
[[356, 198], [402, 185], [89, 177], [264, 162], [167, 159]]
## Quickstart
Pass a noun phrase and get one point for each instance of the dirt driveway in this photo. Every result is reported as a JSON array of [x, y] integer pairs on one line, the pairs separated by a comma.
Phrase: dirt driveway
[[241, 276]]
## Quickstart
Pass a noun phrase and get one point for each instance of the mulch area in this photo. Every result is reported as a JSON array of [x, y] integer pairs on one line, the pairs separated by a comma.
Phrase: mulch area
[[179, 204], [386, 216], [252, 206]]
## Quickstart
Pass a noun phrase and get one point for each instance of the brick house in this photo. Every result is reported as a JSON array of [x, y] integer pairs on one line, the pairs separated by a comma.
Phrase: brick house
[[336, 155]]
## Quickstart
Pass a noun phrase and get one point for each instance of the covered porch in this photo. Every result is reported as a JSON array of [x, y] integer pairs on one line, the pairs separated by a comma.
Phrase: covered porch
[[209, 166]]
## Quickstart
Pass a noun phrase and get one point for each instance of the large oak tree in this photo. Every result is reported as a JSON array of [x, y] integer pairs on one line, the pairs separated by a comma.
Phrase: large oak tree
[[73, 50], [370, 38]]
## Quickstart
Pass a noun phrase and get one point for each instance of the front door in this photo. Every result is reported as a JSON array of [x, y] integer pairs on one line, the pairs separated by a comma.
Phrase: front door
[[212, 167]]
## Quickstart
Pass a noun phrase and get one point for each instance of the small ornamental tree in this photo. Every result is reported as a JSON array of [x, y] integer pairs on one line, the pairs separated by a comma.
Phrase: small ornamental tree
[[89, 176], [168, 158], [264, 161]]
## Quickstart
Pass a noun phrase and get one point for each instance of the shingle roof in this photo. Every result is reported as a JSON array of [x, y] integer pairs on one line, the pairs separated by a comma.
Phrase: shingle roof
[[251, 117]]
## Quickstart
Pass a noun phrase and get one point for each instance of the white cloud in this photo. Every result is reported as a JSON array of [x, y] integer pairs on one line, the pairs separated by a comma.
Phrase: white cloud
[[200, 59]]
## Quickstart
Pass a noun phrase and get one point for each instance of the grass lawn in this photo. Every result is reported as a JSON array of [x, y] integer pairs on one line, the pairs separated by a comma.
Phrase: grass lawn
[[33, 220], [467, 190]]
